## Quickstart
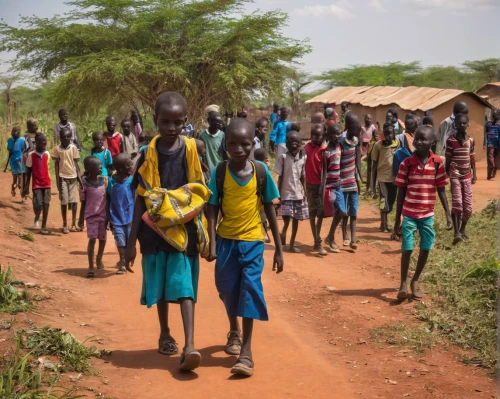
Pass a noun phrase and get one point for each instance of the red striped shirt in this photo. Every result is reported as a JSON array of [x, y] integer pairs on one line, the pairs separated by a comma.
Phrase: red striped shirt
[[461, 157], [421, 183]]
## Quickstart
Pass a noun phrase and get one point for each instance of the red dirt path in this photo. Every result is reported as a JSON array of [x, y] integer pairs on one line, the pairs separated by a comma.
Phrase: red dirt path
[[316, 345]]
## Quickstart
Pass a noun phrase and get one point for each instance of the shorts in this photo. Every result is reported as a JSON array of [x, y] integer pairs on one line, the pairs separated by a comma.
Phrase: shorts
[[170, 276], [69, 191], [96, 228], [238, 271], [334, 202], [296, 209], [351, 199], [41, 198], [425, 227], [388, 193], [313, 193], [121, 234]]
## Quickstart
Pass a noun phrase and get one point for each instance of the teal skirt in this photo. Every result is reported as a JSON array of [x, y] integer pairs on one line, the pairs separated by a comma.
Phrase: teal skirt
[[169, 276]]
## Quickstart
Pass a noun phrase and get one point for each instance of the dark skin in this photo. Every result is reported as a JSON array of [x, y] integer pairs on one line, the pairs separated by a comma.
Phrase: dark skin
[[16, 179], [389, 117], [424, 139], [334, 134], [98, 140], [65, 137], [111, 127], [92, 175], [293, 145], [215, 123], [40, 146], [461, 124], [239, 141], [317, 132], [170, 119], [387, 141], [411, 125], [261, 128], [127, 129]]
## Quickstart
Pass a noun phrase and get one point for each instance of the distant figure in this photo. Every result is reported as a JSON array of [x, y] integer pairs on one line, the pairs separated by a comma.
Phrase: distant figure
[[392, 116], [214, 139], [366, 134], [15, 146], [242, 114], [331, 116], [318, 117], [114, 140], [492, 142], [275, 113], [277, 138], [129, 141], [63, 122], [344, 106], [447, 127], [261, 127], [137, 121], [102, 153]]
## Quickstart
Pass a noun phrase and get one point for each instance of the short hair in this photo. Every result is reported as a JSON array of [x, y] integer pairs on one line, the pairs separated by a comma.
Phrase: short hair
[[284, 108], [428, 121], [32, 122], [262, 120], [199, 142], [120, 158], [345, 104], [88, 161], [260, 154], [16, 128], [109, 117], [213, 114], [460, 107], [411, 115], [64, 130], [428, 130], [332, 127], [393, 111], [61, 111], [95, 135], [321, 126], [387, 125], [240, 123], [40, 136], [293, 133], [462, 116], [170, 98]]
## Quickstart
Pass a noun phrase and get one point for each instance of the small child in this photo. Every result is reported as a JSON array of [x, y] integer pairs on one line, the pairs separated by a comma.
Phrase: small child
[[66, 158], [261, 156], [37, 165], [93, 210], [367, 133], [15, 146], [277, 138], [275, 114], [333, 203], [202, 153], [129, 140], [137, 121], [314, 152], [383, 157], [121, 204], [65, 123], [290, 168], [239, 244], [102, 153], [492, 142], [29, 146], [417, 179], [461, 169], [214, 140], [370, 188], [261, 126], [392, 117], [350, 161], [114, 140]]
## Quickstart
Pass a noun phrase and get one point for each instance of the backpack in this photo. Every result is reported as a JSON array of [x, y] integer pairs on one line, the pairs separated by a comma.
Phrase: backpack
[[261, 174]]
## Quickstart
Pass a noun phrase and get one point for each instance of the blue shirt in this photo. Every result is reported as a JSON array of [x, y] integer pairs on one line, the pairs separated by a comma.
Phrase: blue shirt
[[121, 201], [105, 158], [16, 148], [274, 116], [281, 128], [491, 132]]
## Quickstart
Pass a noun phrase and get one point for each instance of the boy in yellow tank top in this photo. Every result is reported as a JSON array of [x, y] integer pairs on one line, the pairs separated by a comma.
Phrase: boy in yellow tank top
[[238, 245]]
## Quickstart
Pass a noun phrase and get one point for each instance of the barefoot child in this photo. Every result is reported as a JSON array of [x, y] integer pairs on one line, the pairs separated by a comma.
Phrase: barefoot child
[[290, 168], [333, 203], [102, 153], [170, 266], [382, 157], [417, 179], [461, 169], [121, 204], [37, 165], [15, 146], [239, 245], [314, 152], [68, 177], [93, 210]]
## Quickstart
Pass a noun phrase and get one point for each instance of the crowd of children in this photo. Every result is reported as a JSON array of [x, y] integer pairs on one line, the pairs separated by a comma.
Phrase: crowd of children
[[164, 192]]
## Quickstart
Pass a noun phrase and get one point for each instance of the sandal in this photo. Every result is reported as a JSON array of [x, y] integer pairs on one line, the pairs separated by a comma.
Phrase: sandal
[[320, 250], [334, 248], [295, 250], [465, 237], [233, 345], [458, 238], [65, 230], [347, 243], [167, 346], [403, 294], [190, 361], [353, 245], [99, 263], [90, 274], [244, 366], [44, 231], [122, 270], [416, 292]]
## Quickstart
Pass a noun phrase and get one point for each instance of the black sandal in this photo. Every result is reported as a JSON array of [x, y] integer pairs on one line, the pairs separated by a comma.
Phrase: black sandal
[[90, 274], [190, 361], [167, 346], [244, 366]]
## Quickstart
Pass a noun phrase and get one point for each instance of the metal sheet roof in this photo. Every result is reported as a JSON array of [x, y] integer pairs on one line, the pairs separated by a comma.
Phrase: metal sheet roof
[[410, 98]]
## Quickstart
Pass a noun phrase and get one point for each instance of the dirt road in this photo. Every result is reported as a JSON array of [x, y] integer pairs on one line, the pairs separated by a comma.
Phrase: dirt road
[[316, 344]]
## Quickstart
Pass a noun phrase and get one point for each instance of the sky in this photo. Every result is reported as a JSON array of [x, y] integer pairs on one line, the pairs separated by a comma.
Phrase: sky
[[347, 32]]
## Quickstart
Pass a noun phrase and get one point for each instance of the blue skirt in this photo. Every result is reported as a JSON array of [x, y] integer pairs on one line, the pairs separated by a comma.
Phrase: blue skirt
[[169, 276]]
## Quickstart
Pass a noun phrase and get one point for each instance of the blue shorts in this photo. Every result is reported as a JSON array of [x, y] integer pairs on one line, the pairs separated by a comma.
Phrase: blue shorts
[[121, 234], [351, 199], [337, 202], [169, 276], [238, 272], [424, 226]]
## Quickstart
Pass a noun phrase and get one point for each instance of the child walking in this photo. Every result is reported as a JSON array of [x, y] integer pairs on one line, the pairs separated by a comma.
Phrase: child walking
[[383, 157], [170, 273], [113, 138], [492, 142], [418, 178], [290, 168], [214, 140], [15, 146], [461, 169], [102, 153], [277, 138], [121, 205], [370, 188], [93, 210], [314, 153], [239, 245], [37, 165], [66, 158]]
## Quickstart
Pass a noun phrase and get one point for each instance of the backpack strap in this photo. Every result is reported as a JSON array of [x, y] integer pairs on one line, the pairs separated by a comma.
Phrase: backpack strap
[[220, 175], [261, 174]]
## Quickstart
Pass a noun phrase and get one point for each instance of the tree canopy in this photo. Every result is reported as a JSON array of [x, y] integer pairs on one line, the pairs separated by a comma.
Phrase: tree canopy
[[469, 77], [120, 52]]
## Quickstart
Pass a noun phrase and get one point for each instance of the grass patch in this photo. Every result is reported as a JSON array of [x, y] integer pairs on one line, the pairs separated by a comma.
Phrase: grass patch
[[12, 301], [27, 236], [56, 342]]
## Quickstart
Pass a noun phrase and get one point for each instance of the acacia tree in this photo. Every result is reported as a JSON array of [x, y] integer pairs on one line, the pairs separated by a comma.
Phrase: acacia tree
[[127, 52], [294, 83]]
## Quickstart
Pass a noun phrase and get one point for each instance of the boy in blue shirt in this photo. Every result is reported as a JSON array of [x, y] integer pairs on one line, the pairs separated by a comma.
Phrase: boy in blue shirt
[[277, 139], [15, 146]]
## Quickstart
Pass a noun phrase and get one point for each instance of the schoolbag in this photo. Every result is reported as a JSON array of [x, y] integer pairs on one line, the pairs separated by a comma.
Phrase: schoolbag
[[261, 174]]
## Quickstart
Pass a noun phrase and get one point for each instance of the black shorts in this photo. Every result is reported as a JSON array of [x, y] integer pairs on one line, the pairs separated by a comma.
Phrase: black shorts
[[388, 194], [313, 192], [41, 198]]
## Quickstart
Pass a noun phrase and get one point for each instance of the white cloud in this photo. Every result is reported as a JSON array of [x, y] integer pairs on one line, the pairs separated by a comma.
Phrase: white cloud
[[425, 7], [377, 5], [338, 10]]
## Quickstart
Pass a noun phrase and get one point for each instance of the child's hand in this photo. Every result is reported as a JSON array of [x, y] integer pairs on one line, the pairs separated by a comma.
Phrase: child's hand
[[130, 255], [474, 179], [212, 255], [278, 261]]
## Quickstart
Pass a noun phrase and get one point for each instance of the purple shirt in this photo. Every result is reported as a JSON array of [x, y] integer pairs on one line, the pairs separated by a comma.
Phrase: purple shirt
[[95, 199]]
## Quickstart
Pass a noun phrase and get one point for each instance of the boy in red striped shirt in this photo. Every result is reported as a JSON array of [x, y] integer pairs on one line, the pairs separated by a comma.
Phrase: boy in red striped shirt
[[417, 179]]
